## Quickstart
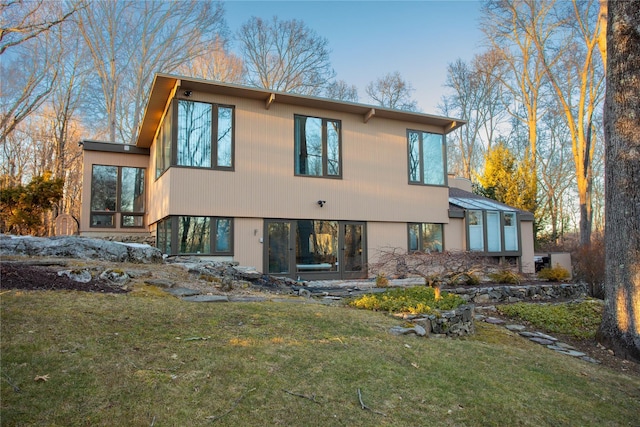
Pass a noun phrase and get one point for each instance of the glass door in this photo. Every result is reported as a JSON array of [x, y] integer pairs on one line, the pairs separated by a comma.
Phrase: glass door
[[354, 258], [279, 255]]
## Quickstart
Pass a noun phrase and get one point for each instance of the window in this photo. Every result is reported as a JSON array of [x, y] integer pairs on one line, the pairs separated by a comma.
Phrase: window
[[195, 235], [426, 158], [425, 237], [203, 137], [117, 190], [163, 144], [492, 231], [317, 147]]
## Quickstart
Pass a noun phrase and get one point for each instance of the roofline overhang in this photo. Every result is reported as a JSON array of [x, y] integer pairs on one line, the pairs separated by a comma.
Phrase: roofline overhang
[[164, 86]]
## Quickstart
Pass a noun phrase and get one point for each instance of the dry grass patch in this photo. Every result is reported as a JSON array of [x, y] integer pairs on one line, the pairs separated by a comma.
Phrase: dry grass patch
[[124, 360]]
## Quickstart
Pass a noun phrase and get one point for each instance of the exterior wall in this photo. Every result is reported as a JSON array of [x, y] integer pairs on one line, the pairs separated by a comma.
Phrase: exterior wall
[[91, 158], [383, 236], [526, 239], [455, 236], [374, 184], [247, 241]]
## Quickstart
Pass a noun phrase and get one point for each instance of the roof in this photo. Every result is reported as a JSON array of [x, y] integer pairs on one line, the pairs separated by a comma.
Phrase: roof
[[164, 85], [461, 200]]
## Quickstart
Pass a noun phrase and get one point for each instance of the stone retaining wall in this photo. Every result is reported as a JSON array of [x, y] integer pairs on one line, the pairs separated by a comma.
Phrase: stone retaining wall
[[537, 292], [451, 323]]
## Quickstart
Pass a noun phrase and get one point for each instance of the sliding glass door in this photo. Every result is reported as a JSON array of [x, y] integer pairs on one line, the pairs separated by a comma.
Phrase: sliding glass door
[[315, 249]]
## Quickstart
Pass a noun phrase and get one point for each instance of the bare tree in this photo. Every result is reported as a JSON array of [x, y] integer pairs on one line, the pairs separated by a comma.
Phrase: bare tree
[[27, 77], [577, 78], [130, 41], [392, 91], [23, 20], [286, 56], [217, 63], [477, 96], [342, 91], [620, 328], [438, 269]]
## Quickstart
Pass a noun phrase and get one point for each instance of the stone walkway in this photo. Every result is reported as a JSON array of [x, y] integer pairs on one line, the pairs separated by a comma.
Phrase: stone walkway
[[548, 341]]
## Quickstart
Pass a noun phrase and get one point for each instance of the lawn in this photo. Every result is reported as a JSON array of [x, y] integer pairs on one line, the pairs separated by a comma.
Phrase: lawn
[[72, 358]]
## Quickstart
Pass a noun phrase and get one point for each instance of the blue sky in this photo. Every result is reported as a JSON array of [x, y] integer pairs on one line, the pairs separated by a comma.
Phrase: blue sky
[[369, 39]]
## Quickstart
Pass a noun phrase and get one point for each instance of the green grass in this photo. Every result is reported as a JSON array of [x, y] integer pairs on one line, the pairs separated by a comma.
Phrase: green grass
[[137, 361], [580, 320], [415, 300]]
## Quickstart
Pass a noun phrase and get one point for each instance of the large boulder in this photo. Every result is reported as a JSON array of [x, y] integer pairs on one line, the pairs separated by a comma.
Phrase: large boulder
[[79, 247]]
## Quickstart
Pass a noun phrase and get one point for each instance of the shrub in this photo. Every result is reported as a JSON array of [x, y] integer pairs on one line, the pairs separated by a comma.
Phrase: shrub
[[589, 265], [554, 274], [416, 300], [382, 281], [505, 277], [467, 279]]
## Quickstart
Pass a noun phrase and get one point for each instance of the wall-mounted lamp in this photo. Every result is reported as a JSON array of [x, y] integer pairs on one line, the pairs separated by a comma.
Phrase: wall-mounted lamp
[[187, 93], [321, 202]]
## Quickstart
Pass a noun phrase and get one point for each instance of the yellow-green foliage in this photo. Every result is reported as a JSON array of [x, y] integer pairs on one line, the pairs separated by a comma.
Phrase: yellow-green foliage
[[578, 319], [554, 274], [416, 300], [505, 277], [382, 281]]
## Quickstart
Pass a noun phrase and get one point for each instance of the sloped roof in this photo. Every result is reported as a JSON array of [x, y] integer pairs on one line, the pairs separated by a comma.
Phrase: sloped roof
[[164, 85], [461, 200]]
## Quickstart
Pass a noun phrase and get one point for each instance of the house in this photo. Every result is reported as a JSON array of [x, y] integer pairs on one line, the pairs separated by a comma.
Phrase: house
[[293, 185]]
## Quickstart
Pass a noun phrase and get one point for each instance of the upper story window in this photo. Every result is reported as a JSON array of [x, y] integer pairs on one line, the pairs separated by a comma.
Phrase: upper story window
[[318, 145], [426, 158], [425, 237], [117, 190], [203, 137], [492, 231]]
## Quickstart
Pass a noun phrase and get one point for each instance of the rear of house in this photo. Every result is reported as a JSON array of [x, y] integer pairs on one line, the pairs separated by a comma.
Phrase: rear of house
[[293, 185]]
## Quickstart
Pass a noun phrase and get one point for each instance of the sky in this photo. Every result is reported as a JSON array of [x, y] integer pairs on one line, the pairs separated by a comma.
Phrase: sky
[[369, 39]]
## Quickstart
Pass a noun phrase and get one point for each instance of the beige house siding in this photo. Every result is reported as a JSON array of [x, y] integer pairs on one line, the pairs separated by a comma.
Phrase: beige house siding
[[374, 183], [248, 238], [455, 235], [526, 240]]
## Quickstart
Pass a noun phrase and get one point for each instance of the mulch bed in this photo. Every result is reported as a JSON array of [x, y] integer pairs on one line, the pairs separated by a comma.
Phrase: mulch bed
[[45, 278]]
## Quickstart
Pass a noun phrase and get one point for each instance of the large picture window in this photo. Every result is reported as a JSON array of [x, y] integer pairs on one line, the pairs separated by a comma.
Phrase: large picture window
[[199, 235], [203, 137], [117, 190], [317, 147], [426, 153], [425, 237]]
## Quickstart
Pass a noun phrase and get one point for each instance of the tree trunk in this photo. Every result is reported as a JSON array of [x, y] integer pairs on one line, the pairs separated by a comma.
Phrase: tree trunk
[[620, 328]]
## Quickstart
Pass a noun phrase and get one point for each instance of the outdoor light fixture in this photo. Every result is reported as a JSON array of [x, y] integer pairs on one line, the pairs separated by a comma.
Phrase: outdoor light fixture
[[187, 93], [322, 202]]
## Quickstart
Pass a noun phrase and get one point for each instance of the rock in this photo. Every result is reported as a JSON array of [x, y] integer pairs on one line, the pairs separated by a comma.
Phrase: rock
[[517, 328], [573, 353], [494, 320], [115, 276], [79, 247], [542, 341], [81, 276], [481, 299], [399, 330], [183, 292], [160, 283], [590, 360], [206, 298], [420, 331]]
